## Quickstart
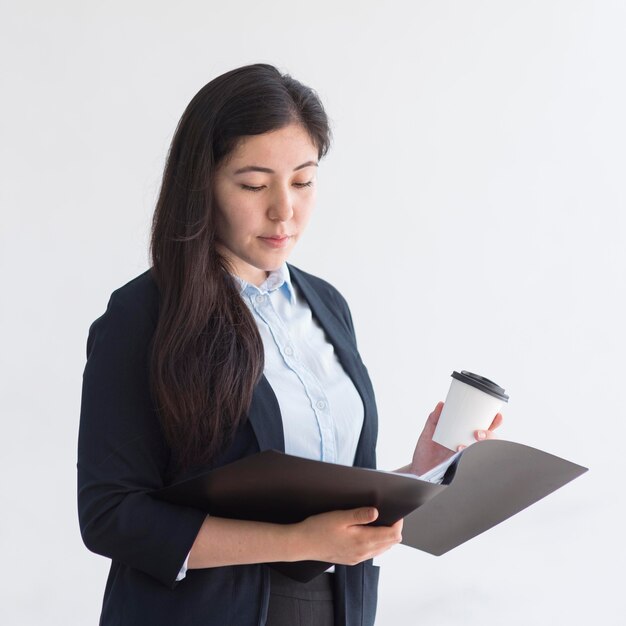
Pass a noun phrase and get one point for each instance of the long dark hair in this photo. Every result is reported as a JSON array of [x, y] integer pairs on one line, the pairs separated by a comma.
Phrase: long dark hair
[[207, 354]]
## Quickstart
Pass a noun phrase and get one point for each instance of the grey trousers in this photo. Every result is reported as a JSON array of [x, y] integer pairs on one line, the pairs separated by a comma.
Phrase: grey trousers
[[300, 604]]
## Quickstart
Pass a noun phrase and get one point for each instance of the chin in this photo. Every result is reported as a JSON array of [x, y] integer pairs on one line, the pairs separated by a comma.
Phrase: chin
[[270, 267], [272, 262]]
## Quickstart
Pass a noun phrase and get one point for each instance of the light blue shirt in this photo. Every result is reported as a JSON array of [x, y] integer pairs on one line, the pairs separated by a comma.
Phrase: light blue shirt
[[322, 411]]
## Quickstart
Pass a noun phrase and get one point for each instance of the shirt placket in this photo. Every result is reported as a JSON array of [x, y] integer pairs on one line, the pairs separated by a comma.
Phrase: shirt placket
[[262, 304]]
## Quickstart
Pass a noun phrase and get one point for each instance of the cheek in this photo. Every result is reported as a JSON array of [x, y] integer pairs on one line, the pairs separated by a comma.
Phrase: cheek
[[233, 214], [241, 223], [223, 225], [306, 210]]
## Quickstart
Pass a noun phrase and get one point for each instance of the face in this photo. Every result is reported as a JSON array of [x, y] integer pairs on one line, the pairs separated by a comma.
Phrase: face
[[264, 193]]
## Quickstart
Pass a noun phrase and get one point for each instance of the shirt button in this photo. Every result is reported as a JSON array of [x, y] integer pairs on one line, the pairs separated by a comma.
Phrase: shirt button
[[260, 298], [288, 350], [320, 404]]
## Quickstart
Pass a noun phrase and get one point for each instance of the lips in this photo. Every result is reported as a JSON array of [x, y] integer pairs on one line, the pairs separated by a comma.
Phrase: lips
[[276, 241]]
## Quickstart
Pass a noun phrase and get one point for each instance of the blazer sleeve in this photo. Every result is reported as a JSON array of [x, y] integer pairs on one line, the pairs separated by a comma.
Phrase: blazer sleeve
[[122, 454]]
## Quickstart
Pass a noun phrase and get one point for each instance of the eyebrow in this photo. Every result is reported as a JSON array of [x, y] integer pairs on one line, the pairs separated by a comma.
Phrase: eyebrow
[[267, 170]]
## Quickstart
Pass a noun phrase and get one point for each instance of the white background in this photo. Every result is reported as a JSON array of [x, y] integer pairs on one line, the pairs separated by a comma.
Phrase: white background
[[471, 210]]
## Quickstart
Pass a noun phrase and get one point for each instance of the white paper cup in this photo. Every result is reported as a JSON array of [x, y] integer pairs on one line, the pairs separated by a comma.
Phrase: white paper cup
[[471, 404]]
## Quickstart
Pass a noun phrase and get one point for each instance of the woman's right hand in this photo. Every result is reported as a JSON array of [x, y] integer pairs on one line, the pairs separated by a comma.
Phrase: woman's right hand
[[343, 537]]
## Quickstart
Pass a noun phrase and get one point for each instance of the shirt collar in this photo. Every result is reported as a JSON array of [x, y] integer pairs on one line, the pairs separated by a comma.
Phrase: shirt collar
[[277, 279]]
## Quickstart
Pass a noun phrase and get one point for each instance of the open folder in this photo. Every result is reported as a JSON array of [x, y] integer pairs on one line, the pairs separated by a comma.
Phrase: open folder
[[489, 482]]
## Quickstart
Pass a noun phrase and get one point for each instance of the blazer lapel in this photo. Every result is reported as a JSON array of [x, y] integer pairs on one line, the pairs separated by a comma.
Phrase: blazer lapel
[[334, 331], [265, 417]]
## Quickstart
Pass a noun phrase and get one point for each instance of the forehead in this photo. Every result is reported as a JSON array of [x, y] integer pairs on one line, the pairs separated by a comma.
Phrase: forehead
[[278, 149]]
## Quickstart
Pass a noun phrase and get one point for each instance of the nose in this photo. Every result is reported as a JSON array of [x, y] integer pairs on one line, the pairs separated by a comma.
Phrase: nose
[[281, 206]]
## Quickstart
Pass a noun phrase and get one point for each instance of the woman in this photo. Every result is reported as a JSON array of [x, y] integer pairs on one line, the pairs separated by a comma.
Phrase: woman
[[219, 350]]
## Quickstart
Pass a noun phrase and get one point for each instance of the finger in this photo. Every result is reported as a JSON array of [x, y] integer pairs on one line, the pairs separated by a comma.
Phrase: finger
[[460, 447], [497, 420], [481, 435], [397, 529], [436, 413], [385, 535], [363, 515]]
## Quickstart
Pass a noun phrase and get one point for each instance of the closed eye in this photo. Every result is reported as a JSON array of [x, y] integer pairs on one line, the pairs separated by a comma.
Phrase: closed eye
[[259, 188]]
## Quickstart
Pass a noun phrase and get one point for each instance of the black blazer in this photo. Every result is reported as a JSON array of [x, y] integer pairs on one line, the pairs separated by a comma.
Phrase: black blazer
[[122, 455]]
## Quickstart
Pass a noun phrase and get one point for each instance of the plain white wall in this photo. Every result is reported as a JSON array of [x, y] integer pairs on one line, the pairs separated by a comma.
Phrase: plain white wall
[[471, 210]]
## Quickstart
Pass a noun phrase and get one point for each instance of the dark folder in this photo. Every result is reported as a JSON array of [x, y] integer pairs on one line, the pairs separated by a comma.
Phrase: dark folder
[[490, 481]]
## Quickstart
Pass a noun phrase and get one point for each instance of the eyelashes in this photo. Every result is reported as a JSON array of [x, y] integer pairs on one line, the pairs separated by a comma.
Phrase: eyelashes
[[299, 185]]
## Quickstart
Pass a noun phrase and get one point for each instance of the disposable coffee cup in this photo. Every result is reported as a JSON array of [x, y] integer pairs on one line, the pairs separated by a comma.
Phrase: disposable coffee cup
[[471, 404]]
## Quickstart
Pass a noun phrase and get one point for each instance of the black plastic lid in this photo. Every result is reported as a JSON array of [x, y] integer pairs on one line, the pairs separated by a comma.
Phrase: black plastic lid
[[482, 383]]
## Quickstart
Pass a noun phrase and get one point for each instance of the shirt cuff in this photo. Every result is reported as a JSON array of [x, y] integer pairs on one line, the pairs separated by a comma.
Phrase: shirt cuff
[[436, 474], [183, 569]]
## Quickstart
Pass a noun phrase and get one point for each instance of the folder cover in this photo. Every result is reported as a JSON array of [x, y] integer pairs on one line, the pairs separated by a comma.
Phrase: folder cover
[[490, 481]]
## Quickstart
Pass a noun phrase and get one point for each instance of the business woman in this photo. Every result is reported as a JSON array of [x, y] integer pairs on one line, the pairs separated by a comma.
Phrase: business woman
[[222, 349]]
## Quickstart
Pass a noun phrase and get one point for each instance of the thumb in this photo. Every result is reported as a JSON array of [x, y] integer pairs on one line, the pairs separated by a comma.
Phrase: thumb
[[365, 515]]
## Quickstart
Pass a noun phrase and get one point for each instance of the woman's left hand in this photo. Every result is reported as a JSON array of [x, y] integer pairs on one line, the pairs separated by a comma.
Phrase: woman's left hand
[[428, 453]]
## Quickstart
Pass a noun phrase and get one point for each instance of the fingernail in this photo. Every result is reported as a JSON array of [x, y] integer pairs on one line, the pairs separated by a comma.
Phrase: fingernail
[[481, 434]]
